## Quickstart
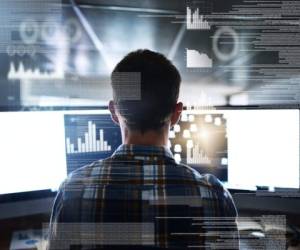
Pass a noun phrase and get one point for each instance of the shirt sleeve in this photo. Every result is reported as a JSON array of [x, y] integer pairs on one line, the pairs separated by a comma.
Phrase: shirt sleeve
[[231, 210], [228, 212], [55, 219]]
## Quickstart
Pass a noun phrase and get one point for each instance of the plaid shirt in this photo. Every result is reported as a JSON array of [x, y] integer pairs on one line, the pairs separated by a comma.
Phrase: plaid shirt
[[140, 198]]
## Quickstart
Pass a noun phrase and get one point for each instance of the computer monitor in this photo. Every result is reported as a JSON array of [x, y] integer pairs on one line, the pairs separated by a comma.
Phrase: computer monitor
[[39, 148], [244, 148]]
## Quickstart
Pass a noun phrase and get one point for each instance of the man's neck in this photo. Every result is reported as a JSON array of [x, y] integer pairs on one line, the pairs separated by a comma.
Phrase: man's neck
[[148, 138]]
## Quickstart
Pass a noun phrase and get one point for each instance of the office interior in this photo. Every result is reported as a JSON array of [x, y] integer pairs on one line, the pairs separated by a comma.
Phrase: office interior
[[240, 68]]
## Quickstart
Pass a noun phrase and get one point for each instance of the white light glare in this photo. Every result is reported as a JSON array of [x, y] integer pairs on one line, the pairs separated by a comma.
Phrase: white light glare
[[203, 134], [189, 144], [176, 128], [177, 148], [184, 117], [193, 127], [172, 134], [191, 118], [186, 134], [177, 158], [218, 121], [82, 64], [208, 118]]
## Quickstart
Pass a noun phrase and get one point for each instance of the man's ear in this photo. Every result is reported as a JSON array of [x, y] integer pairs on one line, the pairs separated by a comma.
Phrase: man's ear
[[111, 107], [177, 113]]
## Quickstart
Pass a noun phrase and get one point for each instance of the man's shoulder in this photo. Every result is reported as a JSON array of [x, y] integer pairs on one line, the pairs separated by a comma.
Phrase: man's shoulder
[[96, 168], [213, 191], [91, 168], [85, 170], [99, 173], [206, 180]]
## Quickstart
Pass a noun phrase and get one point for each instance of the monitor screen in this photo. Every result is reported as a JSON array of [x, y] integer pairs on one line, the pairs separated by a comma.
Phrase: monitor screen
[[42, 147], [244, 148]]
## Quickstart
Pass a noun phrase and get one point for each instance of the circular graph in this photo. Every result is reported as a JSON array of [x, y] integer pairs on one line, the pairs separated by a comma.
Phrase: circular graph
[[225, 32], [29, 31]]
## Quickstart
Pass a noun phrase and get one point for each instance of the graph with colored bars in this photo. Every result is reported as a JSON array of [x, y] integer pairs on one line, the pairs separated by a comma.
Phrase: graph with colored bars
[[195, 21], [89, 143]]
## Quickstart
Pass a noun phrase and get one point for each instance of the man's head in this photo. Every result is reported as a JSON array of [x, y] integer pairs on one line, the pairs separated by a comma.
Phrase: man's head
[[158, 83]]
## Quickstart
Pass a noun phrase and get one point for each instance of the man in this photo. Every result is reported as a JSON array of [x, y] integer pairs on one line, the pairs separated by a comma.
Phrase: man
[[140, 198]]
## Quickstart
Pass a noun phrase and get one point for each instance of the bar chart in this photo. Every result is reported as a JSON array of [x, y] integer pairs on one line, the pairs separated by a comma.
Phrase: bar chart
[[195, 21], [89, 143], [196, 155], [89, 138]]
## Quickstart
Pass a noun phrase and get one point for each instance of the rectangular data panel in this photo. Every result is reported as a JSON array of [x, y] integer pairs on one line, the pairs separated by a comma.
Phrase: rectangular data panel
[[243, 148], [89, 138]]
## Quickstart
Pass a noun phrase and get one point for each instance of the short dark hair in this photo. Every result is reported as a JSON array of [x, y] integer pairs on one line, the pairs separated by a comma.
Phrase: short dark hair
[[158, 82]]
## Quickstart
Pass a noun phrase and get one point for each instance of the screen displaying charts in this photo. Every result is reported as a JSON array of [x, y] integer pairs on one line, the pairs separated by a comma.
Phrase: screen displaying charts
[[244, 148], [200, 141], [89, 138], [39, 148]]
